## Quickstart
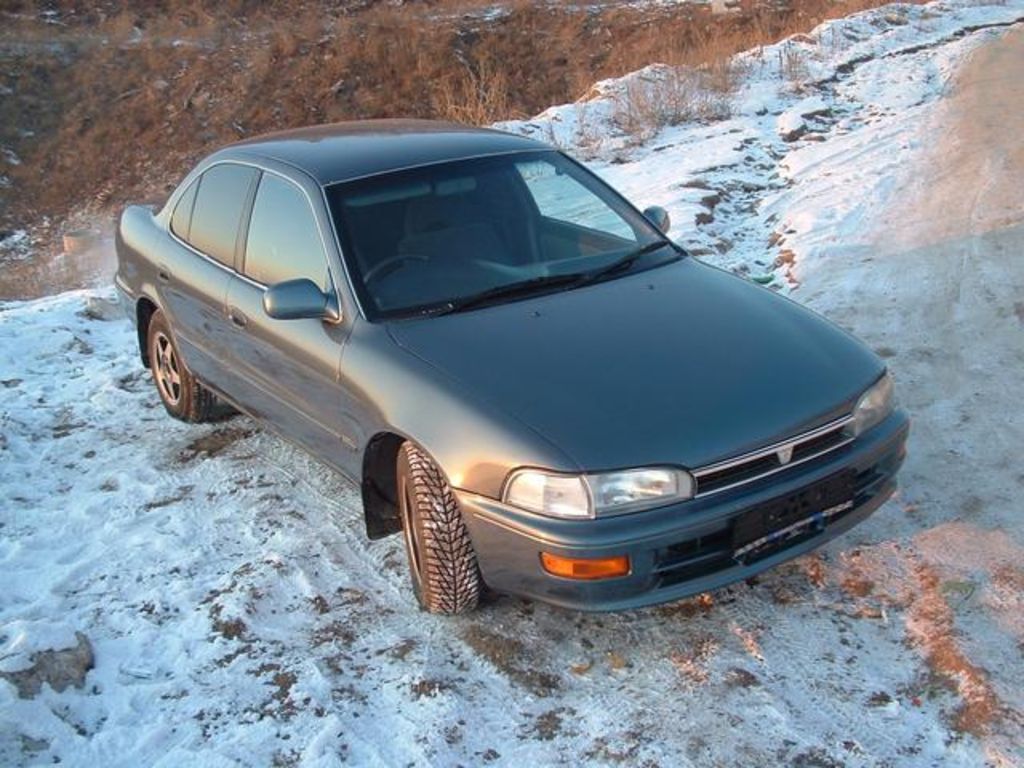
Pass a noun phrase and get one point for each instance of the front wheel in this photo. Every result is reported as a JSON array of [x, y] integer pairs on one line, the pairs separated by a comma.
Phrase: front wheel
[[442, 563]]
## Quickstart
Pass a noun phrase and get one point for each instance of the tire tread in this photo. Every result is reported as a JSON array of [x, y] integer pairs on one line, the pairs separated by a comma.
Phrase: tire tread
[[451, 581]]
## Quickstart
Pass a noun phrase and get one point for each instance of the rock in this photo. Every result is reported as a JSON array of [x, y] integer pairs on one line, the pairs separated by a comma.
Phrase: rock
[[790, 125], [814, 106], [793, 134], [98, 308], [58, 668]]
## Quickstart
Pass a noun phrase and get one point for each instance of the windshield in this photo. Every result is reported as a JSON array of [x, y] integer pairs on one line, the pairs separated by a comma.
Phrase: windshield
[[443, 237]]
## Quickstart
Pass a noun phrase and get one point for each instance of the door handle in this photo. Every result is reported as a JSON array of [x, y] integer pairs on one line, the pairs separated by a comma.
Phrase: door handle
[[163, 274], [237, 317]]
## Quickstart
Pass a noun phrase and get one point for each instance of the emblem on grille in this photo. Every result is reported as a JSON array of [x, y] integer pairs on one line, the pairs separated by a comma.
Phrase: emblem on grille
[[785, 454]]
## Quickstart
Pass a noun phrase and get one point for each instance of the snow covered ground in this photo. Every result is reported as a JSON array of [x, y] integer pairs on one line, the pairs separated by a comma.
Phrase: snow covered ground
[[237, 616]]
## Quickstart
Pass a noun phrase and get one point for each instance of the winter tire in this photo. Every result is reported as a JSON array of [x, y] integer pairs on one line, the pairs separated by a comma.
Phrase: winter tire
[[442, 563]]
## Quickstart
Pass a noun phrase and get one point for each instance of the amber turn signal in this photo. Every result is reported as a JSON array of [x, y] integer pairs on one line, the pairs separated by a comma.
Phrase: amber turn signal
[[588, 568]]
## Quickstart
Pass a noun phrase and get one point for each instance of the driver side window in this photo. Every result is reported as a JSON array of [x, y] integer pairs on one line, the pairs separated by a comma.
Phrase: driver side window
[[283, 241]]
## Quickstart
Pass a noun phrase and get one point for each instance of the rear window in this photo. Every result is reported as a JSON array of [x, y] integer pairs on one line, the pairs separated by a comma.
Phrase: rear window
[[217, 214], [182, 218]]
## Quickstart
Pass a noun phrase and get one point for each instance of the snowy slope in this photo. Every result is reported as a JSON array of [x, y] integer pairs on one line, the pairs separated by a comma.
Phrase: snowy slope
[[238, 616]]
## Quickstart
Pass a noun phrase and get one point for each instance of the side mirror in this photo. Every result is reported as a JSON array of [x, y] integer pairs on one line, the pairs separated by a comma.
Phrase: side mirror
[[297, 299], [658, 216]]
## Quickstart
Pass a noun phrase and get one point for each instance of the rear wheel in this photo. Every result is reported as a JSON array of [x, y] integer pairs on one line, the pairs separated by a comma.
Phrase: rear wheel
[[442, 563], [182, 396]]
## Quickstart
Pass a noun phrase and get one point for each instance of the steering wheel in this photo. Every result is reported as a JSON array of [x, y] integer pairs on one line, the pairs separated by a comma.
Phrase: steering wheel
[[388, 266]]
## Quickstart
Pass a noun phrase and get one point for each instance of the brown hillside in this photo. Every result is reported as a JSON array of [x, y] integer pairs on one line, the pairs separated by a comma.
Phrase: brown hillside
[[101, 103]]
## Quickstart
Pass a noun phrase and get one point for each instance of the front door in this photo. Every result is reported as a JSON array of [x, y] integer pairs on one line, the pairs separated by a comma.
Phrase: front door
[[287, 371]]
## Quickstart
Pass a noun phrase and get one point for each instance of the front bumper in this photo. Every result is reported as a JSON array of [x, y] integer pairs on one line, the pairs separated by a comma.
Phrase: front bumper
[[678, 550]]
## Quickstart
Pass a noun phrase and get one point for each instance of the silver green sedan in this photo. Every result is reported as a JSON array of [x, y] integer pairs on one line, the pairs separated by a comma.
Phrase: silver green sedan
[[526, 377]]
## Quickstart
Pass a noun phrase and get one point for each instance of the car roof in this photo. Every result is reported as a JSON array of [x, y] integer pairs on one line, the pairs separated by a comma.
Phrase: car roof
[[339, 152]]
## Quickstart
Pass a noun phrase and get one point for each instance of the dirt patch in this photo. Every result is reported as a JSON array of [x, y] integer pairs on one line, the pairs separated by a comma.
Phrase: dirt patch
[[229, 629], [512, 659], [692, 663], [737, 677], [879, 699], [320, 604], [1010, 578], [930, 626], [280, 704], [857, 585], [428, 688], [912, 582], [214, 443], [701, 605], [548, 725], [335, 633], [181, 494], [816, 757], [403, 649]]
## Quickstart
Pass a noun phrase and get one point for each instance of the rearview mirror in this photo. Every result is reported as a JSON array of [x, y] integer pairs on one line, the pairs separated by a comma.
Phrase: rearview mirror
[[297, 299], [658, 216]]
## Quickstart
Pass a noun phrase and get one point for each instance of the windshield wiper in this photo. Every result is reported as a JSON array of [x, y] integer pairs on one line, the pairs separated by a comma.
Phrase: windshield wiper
[[622, 263], [521, 288], [543, 282]]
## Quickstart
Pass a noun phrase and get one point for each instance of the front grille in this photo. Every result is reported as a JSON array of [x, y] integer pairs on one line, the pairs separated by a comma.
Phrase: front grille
[[767, 461], [694, 558]]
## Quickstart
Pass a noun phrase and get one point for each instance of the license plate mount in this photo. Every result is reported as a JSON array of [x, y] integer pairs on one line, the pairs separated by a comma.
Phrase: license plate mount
[[764, 529]]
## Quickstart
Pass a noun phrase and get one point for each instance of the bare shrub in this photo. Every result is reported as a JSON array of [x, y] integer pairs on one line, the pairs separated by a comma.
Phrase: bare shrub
[[587, 138], [478, 94], [670, 96], [793, 66]]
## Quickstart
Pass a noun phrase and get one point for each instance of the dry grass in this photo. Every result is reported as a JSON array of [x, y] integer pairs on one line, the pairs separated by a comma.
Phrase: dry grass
[[793, 66], [670, 96], [118, 99], [479, 94]]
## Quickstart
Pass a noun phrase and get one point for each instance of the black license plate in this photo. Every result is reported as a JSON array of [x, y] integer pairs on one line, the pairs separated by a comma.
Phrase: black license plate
[[766, 527]]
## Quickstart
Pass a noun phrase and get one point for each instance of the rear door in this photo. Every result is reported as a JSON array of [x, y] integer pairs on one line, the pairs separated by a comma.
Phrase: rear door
[[289, 368], [207, 223]]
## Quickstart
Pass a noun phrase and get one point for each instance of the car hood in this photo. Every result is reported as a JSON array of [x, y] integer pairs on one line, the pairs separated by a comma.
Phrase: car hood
[[682, 364]]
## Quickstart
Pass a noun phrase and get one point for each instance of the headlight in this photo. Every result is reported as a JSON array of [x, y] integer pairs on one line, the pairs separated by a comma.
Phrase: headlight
[[588, 496], [557, 495], [873, 406]]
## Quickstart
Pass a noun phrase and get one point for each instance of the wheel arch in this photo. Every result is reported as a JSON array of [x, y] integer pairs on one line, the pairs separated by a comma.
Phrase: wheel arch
[[379, 484], [145, 308]]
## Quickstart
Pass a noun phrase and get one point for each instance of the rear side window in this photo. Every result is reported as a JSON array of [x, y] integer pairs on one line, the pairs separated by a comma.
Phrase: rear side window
[[284, 242], [182, 218], [217, 214]]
